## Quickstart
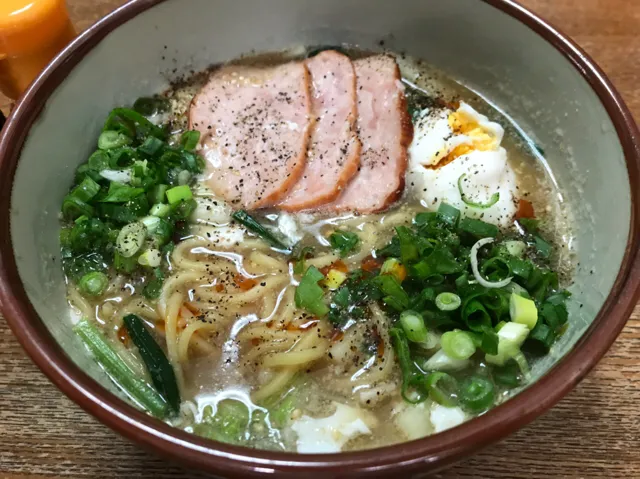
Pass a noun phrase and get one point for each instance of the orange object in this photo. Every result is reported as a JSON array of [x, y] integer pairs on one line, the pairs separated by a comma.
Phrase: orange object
[[525, 210], [32, 32]]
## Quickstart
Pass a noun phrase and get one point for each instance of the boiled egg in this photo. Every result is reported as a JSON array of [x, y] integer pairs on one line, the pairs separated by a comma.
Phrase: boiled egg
[[456, 157], [330, 434], [443, 418]]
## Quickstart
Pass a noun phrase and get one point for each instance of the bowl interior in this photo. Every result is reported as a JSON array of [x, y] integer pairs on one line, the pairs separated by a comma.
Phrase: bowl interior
[[478, 45]]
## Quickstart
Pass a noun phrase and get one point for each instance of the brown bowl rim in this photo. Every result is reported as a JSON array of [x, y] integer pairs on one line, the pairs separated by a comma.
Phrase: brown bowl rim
[[422, 455]]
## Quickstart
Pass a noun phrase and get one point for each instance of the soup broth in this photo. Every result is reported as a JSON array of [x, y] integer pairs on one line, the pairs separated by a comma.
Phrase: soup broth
[[257, 363]]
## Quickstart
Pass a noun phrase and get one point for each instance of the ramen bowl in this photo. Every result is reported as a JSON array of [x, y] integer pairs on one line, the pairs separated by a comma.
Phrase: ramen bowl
[[496, 48]]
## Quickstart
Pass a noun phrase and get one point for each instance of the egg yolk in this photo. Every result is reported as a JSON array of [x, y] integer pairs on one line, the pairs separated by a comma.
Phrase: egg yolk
[[462, 124]]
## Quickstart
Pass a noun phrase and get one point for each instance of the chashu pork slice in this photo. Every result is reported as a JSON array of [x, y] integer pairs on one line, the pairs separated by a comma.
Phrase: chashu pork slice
[[255, 124], [333, 156], [385, 131]]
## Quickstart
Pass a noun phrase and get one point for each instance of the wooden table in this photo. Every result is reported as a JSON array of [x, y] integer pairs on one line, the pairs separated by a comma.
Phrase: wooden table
[[593, 432]]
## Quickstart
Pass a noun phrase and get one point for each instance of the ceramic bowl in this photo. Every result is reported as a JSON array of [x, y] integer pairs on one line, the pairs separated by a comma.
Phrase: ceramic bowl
[[509, 56]]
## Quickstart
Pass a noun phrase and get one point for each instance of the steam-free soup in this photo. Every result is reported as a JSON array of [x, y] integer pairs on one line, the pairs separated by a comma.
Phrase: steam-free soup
[[316, 255]]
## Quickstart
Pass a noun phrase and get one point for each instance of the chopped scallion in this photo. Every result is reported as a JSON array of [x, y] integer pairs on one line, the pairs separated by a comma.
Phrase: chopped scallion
[[110, 139], [458, 344], [413, 326], [448, 214], [492, 201], [179, 193], [344, 242], [448, 301], [309, 295], [160, 210], [516, 248], [131, 238], [476, 394], [189, 139], [478, 228], [151, 258], [93, 284], [442, 388], [523, 311]]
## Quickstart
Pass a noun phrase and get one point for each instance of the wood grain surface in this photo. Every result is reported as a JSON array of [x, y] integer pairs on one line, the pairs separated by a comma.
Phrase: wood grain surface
[[594, 432]]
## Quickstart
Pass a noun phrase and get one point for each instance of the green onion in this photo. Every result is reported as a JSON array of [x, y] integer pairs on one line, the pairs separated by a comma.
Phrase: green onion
[[123, 264], [252, 225], [530, 225], [158, 194], [159, 367], [86, 190], [476, 394], [184, 177], [152, 146], [93, 284], [442, 388], [541, 338], [133, 123], [395, 268], [478, 228], [299, 258], [511, 336], [309, 295], [543, 247], [183, 209], [189, 139], [164, 231], [515, 248], [115, 367], [523, 311], [151, 223], [407, 366], [492, 201], [554, 311], [110, 139], [475, 316], [441, 361], [439, 262], [229, 424], [153, 289], [496, 269], [448, 214], [522, 363], [160, 210], [344, 242], [281, 407], [395, 296], [507, 375], [98, 161], [458, 344], [73, 208], [448, 301], [408, 247], [179, 193], [490, 340], [425, 218], [121, 193], [151, 257], [130, 239], [413, 326]]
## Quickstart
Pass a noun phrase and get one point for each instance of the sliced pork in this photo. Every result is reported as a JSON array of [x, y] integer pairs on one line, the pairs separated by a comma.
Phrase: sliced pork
[[333, 156], [255, 125], [385, 131]]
